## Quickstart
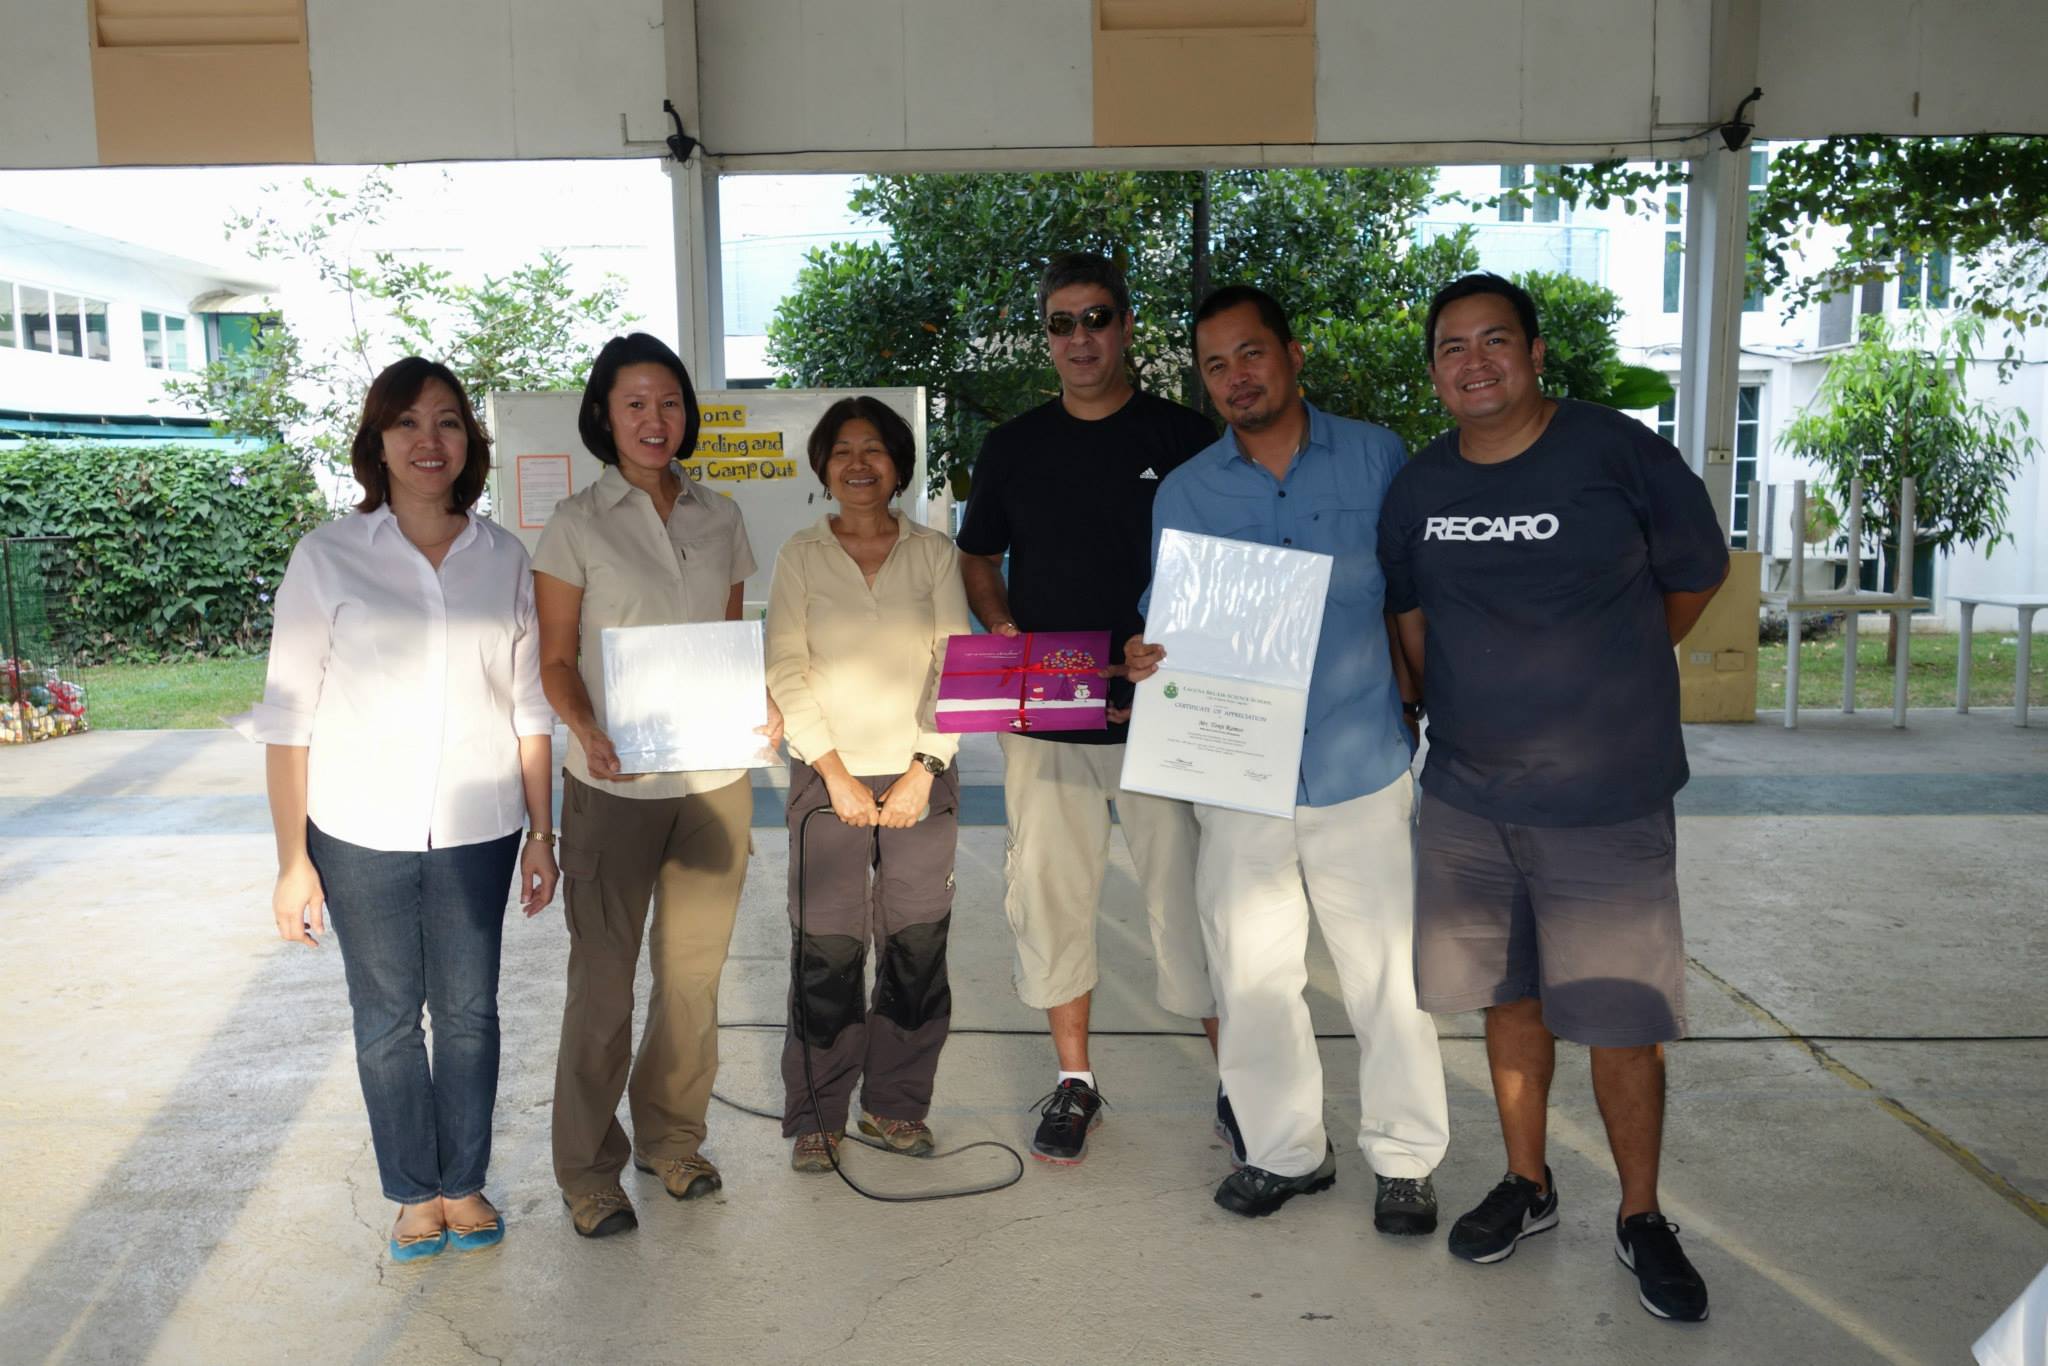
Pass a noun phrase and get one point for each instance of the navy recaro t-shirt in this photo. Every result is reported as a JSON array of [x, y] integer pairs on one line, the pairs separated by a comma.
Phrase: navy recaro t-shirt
[[1548, 670]]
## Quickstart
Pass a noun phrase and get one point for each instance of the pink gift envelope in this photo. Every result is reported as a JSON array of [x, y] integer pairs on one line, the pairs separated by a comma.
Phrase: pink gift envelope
[[1041, 680]]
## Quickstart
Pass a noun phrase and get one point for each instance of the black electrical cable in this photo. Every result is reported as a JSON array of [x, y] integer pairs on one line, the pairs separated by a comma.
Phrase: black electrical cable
[[803, 1020], [996, 1033]]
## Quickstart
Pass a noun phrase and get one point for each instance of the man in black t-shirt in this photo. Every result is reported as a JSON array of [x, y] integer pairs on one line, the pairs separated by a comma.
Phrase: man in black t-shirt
[[1066, 491], [1542, 558]]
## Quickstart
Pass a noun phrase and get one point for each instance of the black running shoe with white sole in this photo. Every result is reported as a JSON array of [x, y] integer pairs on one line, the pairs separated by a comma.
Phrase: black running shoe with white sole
[[1255, 1192], [1665, 1280], [1069, 1111], [1511, 1211]]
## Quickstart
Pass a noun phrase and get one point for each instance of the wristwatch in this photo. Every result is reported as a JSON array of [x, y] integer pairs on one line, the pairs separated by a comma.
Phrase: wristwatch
[[1413, 711], [933, 764], [546, 837]]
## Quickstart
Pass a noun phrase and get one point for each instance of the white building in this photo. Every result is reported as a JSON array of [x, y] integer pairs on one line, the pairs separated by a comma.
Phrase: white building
[[91, 327], [1783, 357]]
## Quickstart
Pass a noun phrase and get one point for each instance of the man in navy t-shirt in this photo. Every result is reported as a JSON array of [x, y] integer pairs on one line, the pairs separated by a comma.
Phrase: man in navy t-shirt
[[1542, 558]]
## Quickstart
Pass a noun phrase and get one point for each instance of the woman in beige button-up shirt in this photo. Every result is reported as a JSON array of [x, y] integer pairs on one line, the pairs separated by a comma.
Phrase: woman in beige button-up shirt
[[857, 623], [643, 546]]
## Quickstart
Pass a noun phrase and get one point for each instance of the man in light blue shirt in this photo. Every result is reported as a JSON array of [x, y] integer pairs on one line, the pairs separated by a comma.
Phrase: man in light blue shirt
[[1289, 474]]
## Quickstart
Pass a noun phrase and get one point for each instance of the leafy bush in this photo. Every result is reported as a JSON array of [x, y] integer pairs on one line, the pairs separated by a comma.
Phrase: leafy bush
[[177, 549]]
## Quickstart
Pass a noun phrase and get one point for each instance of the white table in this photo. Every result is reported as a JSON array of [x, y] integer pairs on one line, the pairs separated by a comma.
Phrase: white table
[[2025, 604], [1849, 604]]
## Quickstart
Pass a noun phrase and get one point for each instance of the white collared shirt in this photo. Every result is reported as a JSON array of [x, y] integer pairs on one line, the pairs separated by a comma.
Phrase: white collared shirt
[[409, 687]]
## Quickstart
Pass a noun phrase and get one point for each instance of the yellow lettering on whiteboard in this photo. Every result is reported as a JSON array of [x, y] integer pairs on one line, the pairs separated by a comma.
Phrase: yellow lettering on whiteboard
[[735, 445], [721, 470], [723, 415]]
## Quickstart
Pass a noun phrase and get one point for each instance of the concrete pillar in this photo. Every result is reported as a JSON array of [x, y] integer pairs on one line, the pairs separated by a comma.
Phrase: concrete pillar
[[1716, 233], [1716, 237], [693, 199]]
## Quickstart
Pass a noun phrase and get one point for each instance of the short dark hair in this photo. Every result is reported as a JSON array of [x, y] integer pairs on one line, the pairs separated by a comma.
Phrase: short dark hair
[[1083, 268], [394, 390], [1231, 296], [896, 435], [1480, 282], [635, 348]]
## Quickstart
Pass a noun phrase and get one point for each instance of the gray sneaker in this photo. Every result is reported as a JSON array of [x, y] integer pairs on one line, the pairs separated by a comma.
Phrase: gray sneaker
[[1404, 1205]]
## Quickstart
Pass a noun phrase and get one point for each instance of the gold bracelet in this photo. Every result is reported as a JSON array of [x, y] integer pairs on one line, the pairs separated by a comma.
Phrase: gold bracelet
[[546, 837]]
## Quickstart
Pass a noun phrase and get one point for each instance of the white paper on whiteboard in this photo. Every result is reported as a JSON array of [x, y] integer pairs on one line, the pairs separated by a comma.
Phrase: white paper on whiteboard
[[543, 482], [685, 698]]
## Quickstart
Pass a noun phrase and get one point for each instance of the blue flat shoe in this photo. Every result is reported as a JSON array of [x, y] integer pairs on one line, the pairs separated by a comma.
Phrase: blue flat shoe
[[470, 1238], [419, 1247]]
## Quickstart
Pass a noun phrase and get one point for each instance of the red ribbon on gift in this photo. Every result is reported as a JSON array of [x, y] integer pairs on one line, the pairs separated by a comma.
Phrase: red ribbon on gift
[[1024, 672]]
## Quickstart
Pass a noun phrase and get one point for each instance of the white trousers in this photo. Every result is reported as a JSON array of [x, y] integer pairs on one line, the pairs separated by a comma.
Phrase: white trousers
[[1257, 878]]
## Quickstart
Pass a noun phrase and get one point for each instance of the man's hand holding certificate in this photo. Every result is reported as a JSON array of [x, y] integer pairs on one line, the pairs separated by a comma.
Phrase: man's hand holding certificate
[[1223, 674]]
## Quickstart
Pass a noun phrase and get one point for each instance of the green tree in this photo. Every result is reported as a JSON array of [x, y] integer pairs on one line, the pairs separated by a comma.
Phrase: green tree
[[530, 329], [948, 301], [1581, 356], [1893, 408], [1982, 198]]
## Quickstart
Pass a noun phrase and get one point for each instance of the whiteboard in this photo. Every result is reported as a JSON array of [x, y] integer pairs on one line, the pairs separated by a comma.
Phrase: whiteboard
[[752, 445]]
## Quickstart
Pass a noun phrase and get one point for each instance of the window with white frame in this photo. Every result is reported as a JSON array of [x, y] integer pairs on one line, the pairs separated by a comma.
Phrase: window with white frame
[[164, 345], [1542, 207], [33, 318], [1923, 280], [1749, 407], [1674, 248], [1759, 177]]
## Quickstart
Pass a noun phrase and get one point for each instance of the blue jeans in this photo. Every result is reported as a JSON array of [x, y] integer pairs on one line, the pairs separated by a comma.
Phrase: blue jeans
[[422, 930]]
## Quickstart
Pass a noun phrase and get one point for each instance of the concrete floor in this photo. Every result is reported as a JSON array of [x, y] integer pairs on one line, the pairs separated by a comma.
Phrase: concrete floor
[[1855, 1152]]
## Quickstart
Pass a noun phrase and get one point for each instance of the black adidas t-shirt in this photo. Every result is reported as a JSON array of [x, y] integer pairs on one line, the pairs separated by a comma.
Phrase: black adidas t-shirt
[[1548, 669], [1071, 501]]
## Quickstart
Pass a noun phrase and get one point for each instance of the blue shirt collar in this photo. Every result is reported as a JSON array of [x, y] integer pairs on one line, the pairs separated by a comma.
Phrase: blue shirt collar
[[1318, 435]]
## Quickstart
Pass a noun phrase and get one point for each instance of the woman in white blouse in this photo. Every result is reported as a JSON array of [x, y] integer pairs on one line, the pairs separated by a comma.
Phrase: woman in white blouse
[[858, 617], [408, 743]]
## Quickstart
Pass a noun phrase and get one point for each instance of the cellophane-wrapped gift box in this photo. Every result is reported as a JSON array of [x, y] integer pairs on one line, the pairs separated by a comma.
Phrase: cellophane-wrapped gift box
[[1037, 681]]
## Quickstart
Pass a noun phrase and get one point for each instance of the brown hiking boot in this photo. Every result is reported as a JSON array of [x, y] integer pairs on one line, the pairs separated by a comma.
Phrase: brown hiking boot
[[601, 1213], [687, 1178], [814, 1152], [910, 1137]]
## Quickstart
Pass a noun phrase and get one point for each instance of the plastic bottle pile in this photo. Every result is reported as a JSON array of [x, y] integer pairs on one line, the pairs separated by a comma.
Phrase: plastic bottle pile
[[38, 708]]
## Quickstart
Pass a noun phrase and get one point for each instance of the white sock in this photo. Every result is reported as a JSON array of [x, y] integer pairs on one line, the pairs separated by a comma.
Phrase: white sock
[[1087, 1079]]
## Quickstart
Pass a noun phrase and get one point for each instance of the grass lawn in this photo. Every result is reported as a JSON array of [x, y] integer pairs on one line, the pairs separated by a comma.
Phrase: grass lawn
[[1930, 675], [190, 696], [196, 694]]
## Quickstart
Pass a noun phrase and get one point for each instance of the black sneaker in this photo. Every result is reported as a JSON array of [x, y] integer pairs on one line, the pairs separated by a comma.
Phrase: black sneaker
[[1071, 1109], [1227, 1130], [1404, 1205], [1255, 1192], [1511, 1211], [1665, 1281]]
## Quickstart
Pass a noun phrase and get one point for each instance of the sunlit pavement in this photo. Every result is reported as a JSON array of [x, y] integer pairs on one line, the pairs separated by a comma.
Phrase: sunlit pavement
[[1855, 1147]]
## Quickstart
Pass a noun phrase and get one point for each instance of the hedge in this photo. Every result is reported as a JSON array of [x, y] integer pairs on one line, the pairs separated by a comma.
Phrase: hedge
[[177, 549]]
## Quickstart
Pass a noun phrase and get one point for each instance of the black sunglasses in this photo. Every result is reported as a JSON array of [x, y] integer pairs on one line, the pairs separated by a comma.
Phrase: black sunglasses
[[1094, 318]]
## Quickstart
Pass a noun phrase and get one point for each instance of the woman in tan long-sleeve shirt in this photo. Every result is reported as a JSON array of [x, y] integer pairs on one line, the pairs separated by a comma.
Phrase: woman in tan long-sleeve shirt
[[857, 623]]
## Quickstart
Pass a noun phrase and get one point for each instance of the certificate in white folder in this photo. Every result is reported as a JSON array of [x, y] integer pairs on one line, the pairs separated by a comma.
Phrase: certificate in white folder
[[681, 698], [1221, 722]]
